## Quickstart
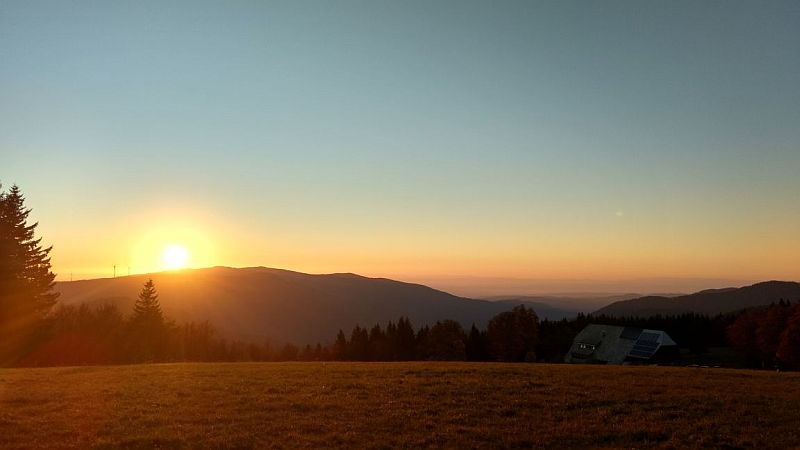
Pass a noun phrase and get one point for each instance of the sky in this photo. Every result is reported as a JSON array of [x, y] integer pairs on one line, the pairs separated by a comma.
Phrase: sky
[[590, 141]]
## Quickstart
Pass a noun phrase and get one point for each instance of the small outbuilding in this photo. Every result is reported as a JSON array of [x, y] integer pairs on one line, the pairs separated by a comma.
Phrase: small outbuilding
[[609, 344]]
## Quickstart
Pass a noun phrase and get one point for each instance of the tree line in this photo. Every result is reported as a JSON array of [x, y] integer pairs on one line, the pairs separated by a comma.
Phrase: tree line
[[80, 335], [509, 336]]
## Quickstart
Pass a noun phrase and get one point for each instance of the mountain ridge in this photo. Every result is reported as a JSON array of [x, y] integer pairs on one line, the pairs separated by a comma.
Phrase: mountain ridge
[[258, 303], [708, 302]]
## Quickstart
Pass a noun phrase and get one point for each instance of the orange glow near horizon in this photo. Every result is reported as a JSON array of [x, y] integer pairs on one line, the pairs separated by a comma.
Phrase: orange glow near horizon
[[172, 247], [144, 242]]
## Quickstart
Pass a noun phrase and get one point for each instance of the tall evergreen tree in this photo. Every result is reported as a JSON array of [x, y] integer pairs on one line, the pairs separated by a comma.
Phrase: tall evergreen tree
[[147, 308], [406, 340], [476, 345], [148, 329], [340, 350], [359, 344], [26, 281]]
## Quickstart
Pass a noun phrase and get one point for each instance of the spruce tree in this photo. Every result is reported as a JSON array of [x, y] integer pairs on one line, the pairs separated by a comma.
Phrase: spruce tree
[[147, 308], [26, 281], [341, 352], [406, 340], [148, 329]]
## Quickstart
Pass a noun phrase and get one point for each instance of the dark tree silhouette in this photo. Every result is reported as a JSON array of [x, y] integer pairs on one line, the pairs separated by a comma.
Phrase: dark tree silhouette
[[359, 344], [26, 281], [147, 308], [477, 345], [379, 349], [789, 348], [512, 335], [405, 340], [340, 347], [769, 330], [149, 331], [445, 342], [197, 341]]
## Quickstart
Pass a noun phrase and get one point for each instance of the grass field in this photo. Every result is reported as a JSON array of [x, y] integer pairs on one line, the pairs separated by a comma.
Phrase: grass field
[[382, 405]]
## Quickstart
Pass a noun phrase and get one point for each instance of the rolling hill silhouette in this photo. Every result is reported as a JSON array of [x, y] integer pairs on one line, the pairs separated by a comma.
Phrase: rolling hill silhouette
[[557, 307], [709, 302], [260, 303]]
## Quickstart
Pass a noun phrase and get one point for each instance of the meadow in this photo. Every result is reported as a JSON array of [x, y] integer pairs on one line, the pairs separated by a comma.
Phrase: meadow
[[389, 405]]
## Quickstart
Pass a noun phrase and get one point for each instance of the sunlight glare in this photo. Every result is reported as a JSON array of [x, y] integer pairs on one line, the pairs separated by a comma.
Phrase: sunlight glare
[[175, 257]]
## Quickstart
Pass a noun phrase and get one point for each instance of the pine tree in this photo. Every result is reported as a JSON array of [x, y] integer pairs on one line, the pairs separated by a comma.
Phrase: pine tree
[[147, 308], [26, 280], [406, 340], [148, 329], [359, 344], [476, 345], [341, 351]]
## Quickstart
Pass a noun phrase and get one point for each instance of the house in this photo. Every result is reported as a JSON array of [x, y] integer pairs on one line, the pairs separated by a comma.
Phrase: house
[[608, 344]]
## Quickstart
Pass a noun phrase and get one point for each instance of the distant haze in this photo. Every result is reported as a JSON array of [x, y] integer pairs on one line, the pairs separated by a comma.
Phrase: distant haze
[[488, 287]]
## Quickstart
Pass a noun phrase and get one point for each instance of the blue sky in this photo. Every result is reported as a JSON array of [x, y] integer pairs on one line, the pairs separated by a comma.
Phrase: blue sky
[[530, 139]]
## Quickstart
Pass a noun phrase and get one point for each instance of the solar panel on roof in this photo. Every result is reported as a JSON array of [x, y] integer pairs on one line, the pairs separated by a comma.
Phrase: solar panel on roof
[[630, 333], [645, 344], [646, 336]]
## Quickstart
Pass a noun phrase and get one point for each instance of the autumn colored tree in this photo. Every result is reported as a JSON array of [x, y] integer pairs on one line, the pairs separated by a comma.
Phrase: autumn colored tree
[[742, 336], [26, 281], [789, 347], [769, 330]]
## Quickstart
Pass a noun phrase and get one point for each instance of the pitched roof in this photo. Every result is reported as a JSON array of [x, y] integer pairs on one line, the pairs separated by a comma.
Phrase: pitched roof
[[614, 344]]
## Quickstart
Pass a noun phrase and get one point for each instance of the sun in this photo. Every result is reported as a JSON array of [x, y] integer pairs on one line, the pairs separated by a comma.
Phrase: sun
[[175, 257]]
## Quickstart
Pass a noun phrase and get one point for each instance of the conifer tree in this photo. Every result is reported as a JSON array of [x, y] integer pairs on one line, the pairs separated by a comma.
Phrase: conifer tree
[[149, 330], [406, 340], [341, 352], [476, 345], [26, 281], [147, 308]]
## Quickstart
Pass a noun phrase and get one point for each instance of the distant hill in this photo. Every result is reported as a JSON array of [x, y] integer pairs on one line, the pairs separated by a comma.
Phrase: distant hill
[[261, 303], [711, 301], [556, 307]]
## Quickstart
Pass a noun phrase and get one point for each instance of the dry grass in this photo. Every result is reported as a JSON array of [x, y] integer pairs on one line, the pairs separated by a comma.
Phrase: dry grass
[[383, 405]]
